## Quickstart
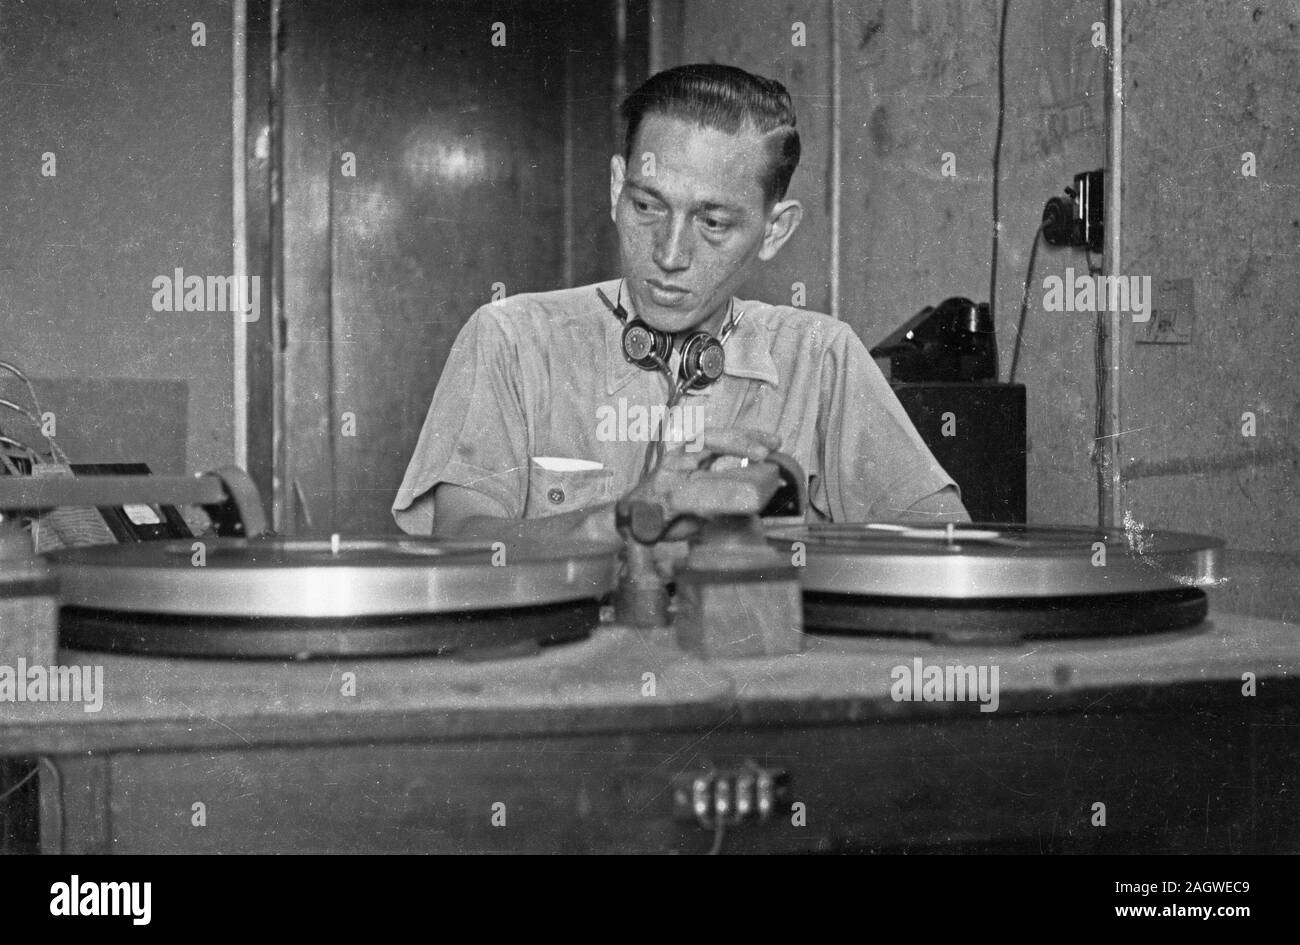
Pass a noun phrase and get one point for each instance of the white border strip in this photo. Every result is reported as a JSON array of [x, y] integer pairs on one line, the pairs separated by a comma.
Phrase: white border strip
[[836, 175], [238, 220], [1114, 514]]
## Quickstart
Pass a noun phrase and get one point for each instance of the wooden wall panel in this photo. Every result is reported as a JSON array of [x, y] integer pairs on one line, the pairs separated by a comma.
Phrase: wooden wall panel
[[463, 182]]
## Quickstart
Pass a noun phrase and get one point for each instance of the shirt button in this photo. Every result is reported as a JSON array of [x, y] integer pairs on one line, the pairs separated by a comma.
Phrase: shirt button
[[556, 495]]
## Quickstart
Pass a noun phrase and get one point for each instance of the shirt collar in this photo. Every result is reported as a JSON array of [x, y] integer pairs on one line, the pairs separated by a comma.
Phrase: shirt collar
[[748, 350]]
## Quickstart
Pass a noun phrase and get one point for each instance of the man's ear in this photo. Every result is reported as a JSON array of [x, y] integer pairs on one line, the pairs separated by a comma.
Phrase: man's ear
[[617, 169], [782, 220]]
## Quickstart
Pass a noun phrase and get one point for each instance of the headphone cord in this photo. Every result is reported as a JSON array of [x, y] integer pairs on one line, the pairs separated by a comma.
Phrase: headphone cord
[[657, 446], [655, 449]]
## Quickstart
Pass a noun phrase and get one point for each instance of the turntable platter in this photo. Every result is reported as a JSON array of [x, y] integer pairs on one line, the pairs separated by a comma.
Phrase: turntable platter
[[293, 597], [998, 583]]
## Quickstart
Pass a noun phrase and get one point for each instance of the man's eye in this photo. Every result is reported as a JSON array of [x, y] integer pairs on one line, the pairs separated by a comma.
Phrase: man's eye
[[714, 225], [642, 206]]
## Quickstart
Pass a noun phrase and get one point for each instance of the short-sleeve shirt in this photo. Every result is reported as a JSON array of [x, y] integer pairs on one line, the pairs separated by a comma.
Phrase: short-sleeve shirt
[[538, 409]]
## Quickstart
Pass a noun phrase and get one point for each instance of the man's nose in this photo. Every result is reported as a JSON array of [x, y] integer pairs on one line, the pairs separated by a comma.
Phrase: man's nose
[[673, 245]]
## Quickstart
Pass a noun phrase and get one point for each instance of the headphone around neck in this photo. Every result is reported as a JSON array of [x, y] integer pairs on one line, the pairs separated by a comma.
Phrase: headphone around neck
[[702, 354]]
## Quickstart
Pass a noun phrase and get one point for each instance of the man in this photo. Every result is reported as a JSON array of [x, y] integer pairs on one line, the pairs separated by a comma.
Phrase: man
[[540, 421]]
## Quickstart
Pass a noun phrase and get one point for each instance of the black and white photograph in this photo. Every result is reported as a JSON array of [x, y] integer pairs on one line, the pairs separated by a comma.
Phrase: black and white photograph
[[689, 427]]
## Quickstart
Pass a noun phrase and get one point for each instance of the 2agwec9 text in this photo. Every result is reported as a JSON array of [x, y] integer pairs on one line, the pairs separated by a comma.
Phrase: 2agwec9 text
[[1192, 886]]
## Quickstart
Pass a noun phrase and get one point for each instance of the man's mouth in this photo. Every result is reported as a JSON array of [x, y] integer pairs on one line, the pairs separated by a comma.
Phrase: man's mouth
[[665, 293]]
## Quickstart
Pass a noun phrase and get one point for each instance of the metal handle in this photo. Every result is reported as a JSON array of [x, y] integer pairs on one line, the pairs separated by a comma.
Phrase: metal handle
[[794, 474]]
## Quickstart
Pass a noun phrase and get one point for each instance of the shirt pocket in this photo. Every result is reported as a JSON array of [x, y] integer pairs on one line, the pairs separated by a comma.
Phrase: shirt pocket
[[552, 491]]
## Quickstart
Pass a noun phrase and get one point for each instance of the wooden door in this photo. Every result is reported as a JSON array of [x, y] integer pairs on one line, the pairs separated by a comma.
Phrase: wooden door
[[429, 153]]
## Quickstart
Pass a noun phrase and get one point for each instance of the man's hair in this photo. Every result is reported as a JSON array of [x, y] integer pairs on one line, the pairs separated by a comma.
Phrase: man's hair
[[728, 99]]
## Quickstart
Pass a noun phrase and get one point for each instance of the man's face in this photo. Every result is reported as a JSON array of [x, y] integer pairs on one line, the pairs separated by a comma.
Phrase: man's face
[[692, 221]]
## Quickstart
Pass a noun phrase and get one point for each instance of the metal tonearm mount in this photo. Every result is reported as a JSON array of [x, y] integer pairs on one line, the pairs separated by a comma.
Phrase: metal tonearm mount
[[736, 595]]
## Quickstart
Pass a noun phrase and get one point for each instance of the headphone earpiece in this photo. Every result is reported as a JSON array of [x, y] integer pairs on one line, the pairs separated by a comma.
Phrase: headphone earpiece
[[703, 359], [644, 346]]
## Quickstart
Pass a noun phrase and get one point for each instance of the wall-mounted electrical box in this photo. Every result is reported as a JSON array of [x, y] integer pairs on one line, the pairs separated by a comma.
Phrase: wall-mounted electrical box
[[1079, 220]]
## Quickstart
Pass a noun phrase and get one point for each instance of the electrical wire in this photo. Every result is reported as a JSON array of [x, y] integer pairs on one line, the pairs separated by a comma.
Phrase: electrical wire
[[10, 468], [19, 783], [20, 445], [719, 834], [55, 450], [656, 447], [1092, 270], [14, 818], [21, 411], [57, 778], [659, 444], [31, 455], [1024, 305], [654, 450], [6, 366], [652, 455], [997, 158]]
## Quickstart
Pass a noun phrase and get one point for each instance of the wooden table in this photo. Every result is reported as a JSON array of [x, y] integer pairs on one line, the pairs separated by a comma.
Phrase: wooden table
[[581, 745]]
